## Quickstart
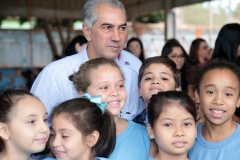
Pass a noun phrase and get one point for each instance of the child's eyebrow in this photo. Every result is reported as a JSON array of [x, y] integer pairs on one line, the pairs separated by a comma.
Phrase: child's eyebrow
[[31, 115], [166, 73], [188, 119], [34, 115], [147, 73], [213, 85]]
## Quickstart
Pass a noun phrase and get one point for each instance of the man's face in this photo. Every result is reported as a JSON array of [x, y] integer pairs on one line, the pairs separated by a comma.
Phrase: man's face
[[108, 35]]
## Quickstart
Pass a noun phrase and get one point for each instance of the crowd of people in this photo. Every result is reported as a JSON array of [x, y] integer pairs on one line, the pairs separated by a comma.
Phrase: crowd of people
[[102, 102]]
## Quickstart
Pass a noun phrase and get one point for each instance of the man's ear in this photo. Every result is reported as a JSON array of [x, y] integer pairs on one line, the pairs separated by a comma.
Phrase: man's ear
[[4, 133], [87, 32], [92, 138], [150, 131]]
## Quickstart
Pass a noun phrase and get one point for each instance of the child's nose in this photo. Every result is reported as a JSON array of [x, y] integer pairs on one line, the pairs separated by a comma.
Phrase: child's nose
[[54, 141], [179, 132], [155, 81], [114, 92], [218, 99], [44, 128]]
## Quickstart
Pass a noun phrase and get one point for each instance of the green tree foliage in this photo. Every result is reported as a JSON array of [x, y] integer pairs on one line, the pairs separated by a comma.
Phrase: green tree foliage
[[236, 12], [198, 15], [154, 17]]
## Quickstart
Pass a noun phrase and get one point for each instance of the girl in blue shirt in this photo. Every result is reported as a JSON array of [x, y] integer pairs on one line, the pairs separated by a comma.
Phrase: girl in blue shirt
[[217, 89], [102, 76], [172, 125]]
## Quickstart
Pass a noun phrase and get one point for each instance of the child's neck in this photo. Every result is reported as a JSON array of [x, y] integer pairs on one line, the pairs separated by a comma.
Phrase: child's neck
[[11, 155], [166, 156], [216, 133], [121, 125]]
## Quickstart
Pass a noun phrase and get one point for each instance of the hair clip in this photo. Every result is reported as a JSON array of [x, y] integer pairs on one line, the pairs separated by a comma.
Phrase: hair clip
[[97, 100]]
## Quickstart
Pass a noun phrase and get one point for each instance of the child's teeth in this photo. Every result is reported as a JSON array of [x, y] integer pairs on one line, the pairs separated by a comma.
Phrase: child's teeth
[[114, 102], [217, 112]]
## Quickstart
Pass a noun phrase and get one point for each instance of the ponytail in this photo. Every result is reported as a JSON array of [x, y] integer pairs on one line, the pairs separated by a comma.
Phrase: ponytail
[[107, 140]]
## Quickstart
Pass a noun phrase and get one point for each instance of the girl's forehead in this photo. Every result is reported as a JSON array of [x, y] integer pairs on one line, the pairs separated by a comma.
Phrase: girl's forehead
[[105, 69], [220, 76]]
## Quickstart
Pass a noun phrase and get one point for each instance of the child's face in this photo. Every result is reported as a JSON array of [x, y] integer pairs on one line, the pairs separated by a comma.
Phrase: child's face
[[156, 78], [219, 96], [108, 82], [28, 130], [66, 141], [174, 130]]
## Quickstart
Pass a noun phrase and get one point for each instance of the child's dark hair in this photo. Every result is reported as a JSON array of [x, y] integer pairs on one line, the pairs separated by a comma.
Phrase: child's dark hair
[[161, 100], [193, 53], [88, 117], [160, 60], [8, 100], [211, 65], [82, 78]]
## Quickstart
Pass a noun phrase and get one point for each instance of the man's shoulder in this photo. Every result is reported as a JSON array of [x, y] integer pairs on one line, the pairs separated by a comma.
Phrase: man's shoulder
[[131, 60], [70, 63], [129, 57]]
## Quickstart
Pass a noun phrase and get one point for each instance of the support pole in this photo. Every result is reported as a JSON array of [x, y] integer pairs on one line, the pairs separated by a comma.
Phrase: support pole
[[170, 22]]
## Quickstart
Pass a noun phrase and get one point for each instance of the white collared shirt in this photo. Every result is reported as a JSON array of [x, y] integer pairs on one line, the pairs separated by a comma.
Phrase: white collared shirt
[[52, 86]]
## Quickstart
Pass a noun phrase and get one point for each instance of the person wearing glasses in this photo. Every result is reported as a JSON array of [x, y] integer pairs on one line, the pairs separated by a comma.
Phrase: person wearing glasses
[[176, 52]]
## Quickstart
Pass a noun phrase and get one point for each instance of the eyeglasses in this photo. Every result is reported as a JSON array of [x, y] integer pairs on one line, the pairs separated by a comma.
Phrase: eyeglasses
[[205, 48], [175, 57]]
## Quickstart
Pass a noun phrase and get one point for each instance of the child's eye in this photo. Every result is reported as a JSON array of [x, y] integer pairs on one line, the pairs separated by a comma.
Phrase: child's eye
[[65, 137], [31, 122], [45, 120], [165, 79], [168, 124], [187, 124], [121, 86], [52, 134], [228, 94], [104, 87], [210, 92], [148, 79]]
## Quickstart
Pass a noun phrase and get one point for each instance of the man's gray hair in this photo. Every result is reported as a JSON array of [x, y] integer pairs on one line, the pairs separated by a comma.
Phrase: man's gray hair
[[89, 12]]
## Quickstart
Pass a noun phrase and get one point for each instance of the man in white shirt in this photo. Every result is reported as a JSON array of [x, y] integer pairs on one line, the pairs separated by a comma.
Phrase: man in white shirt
[[104, 26]]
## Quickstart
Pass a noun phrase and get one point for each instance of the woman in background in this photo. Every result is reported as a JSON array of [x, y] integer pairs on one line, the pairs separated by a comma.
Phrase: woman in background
[[135, 47], [176, 52], [199, 51]]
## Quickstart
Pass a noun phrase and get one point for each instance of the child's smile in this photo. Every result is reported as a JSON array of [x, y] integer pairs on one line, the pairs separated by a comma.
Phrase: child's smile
[[108, 82], [219, 95]]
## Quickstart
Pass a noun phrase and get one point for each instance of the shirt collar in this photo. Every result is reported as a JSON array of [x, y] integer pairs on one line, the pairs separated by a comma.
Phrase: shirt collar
[[121, 59]]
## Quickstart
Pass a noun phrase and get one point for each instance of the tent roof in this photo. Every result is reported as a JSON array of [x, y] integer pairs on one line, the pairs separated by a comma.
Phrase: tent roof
[[67, 9]]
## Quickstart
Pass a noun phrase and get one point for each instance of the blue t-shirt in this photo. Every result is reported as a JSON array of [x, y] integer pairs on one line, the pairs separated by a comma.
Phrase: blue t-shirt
[[96, 158], [132, 144], [228, 149], [4, 83], [151, 158]]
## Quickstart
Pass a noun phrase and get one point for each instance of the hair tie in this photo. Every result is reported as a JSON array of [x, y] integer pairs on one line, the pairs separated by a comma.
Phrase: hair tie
[[97, 100]]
